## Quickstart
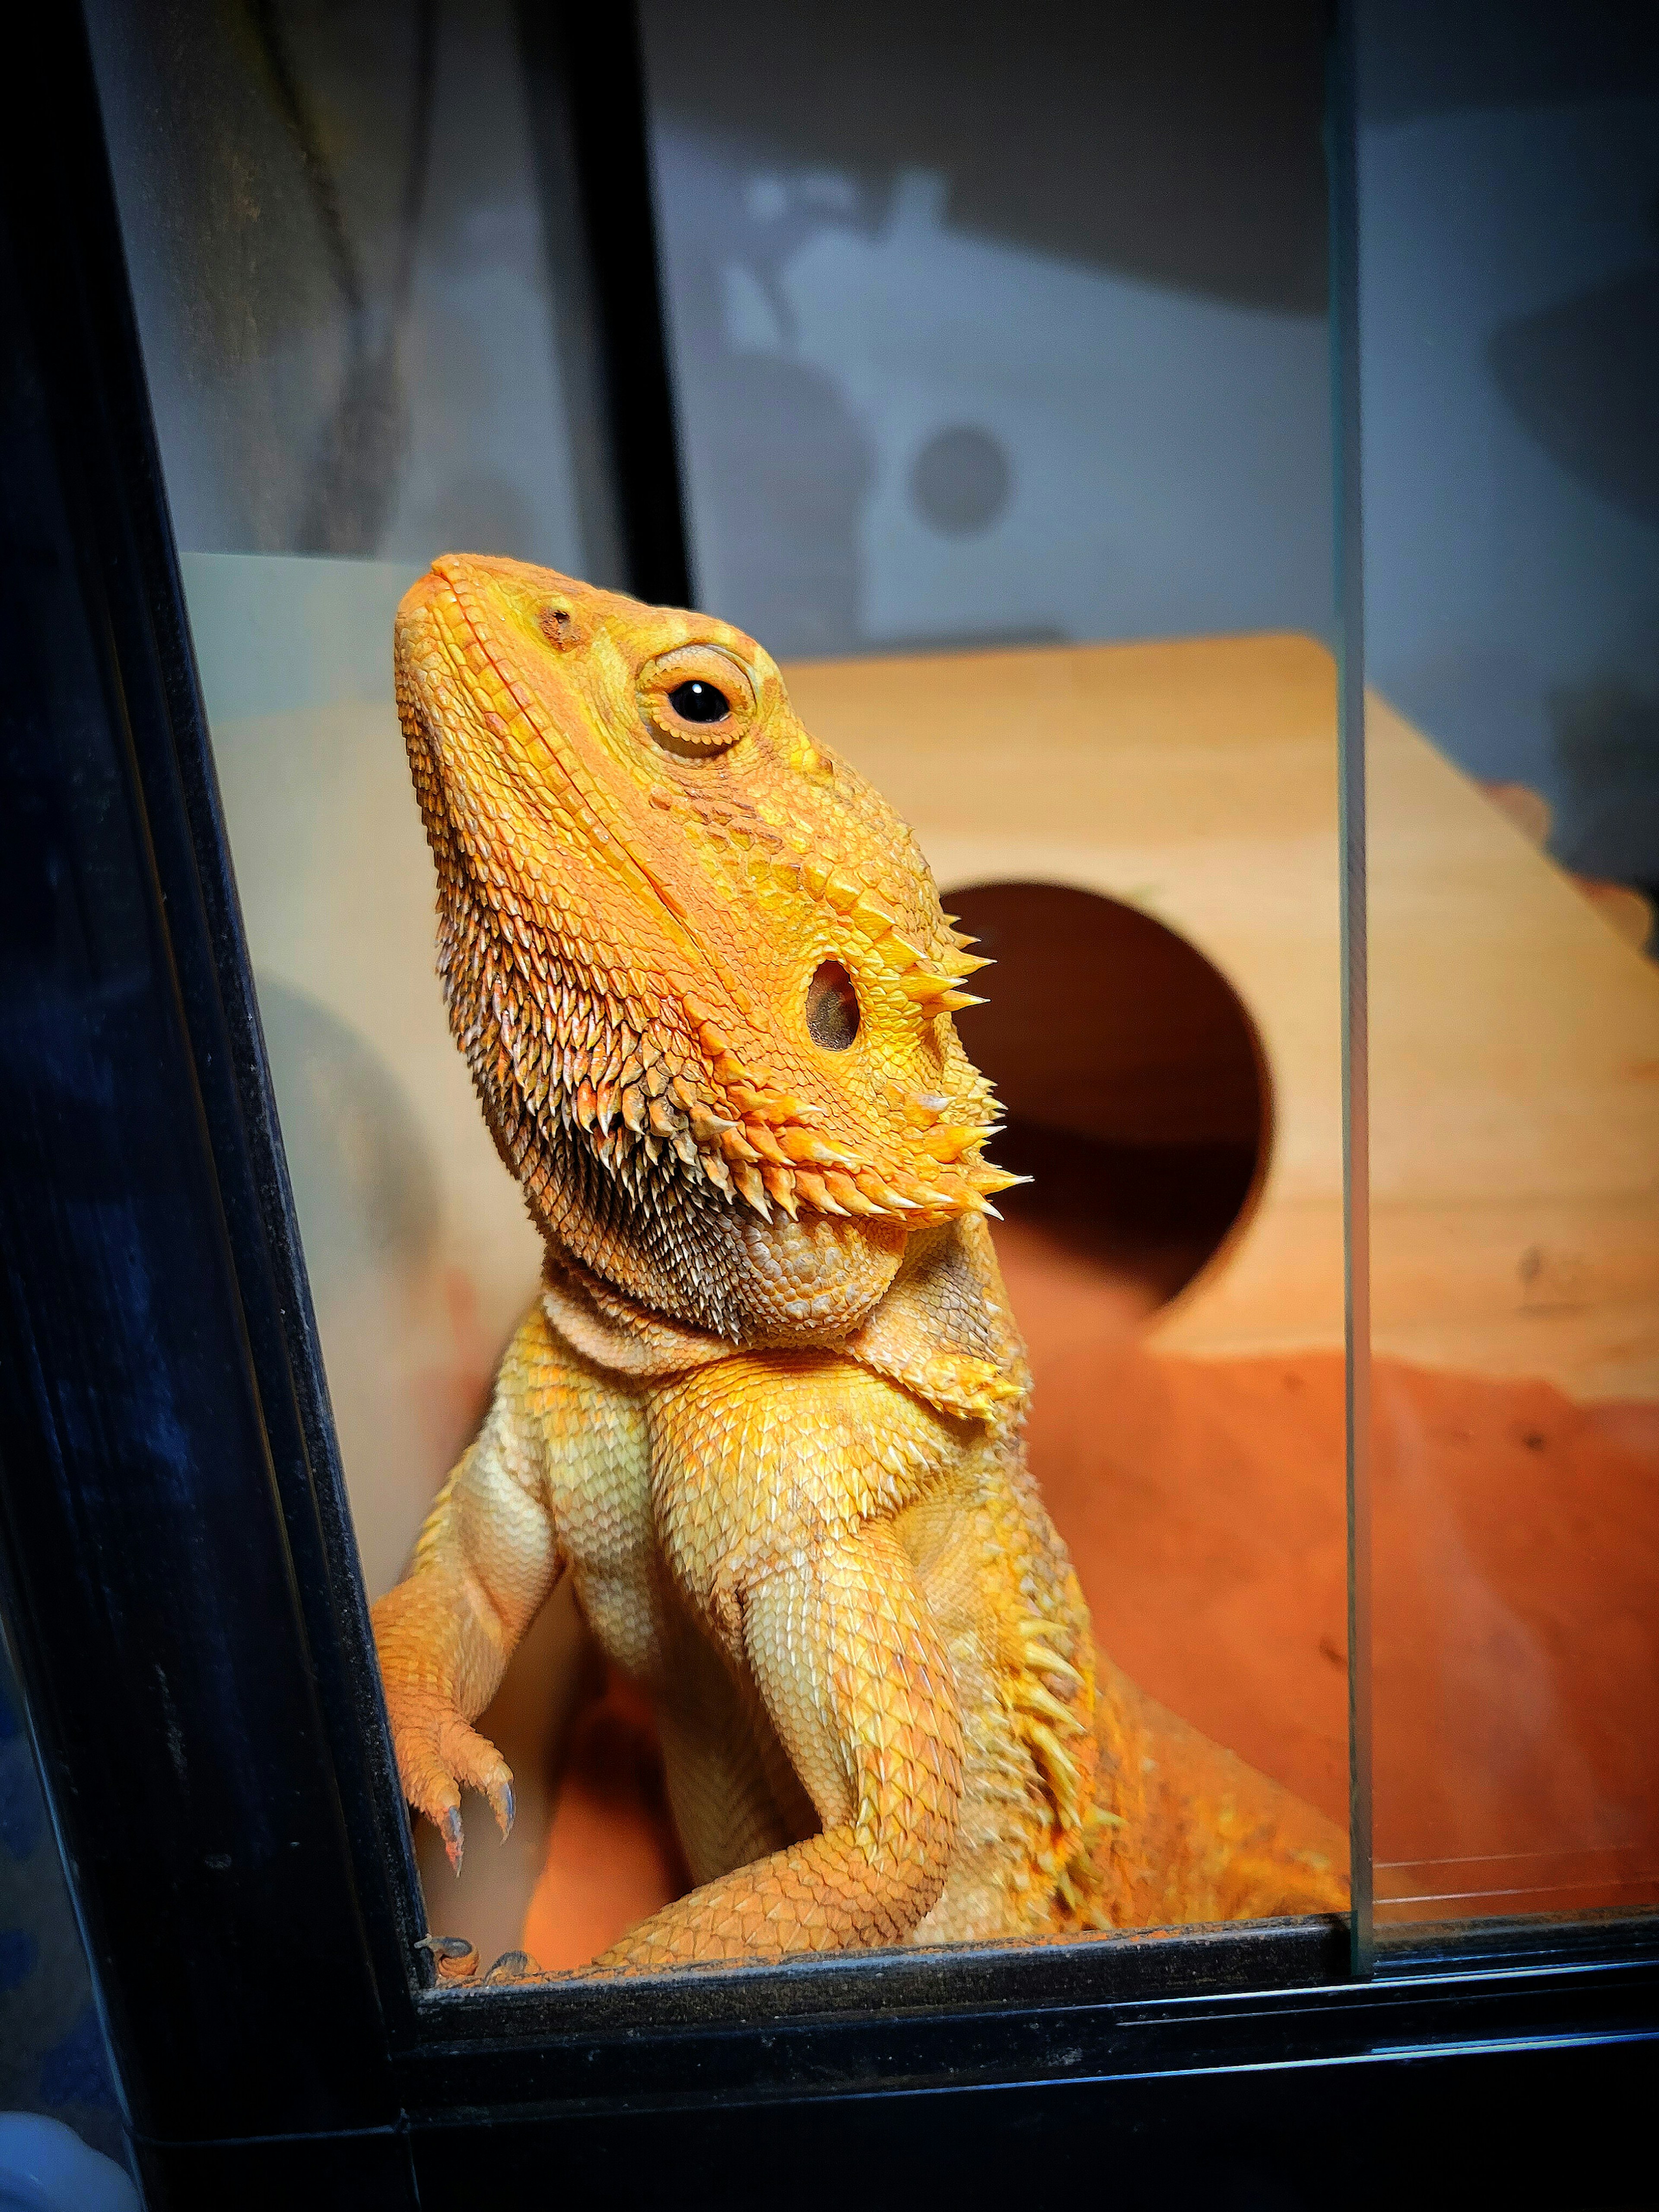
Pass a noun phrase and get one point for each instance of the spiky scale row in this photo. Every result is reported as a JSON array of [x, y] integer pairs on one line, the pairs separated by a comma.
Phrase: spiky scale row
[[763, 1130]]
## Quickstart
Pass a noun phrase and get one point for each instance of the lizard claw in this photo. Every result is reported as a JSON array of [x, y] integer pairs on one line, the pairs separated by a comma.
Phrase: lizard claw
[[503, 1805], [454, 1841]]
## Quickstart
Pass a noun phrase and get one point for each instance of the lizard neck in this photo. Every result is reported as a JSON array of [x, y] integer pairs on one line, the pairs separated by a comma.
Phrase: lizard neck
[[679, 1249]]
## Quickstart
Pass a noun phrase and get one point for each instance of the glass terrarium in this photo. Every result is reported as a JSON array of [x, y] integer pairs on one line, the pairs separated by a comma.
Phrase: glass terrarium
[[1000, 405], [1171, 511], [1069, 612]]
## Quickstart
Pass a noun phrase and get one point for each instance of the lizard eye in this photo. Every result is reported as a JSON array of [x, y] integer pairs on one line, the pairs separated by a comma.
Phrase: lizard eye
[[832, 1007], [697, 699], [698, 702]]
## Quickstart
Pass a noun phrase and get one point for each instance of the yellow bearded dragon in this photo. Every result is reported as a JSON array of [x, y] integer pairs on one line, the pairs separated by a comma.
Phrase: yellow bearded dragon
[[766, 1411]]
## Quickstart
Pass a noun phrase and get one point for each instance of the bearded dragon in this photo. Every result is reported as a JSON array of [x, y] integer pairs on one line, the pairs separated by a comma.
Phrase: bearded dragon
[[766, 1410]]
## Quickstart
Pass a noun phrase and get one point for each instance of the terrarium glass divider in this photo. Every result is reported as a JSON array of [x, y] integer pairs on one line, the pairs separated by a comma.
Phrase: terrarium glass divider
[[1500, 544], [1349, 581]]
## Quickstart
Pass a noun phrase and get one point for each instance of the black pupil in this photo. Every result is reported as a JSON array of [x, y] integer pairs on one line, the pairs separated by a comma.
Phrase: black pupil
[[697, 702]]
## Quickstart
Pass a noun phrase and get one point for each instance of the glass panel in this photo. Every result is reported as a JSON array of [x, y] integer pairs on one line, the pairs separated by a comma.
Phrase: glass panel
[[350, 259], [342, 261], [957, 367], [1509, 176], [339, 251], [972, 349]]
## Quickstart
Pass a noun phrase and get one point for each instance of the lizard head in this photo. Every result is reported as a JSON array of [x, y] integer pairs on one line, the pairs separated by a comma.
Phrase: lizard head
[[697, 965]]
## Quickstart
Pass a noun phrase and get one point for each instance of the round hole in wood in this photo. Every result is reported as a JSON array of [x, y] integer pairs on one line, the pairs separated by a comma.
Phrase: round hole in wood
[[1131, 1076]]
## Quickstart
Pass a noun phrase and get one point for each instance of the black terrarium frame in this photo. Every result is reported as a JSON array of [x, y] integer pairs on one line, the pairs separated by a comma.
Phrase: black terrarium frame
[[181, 1585]]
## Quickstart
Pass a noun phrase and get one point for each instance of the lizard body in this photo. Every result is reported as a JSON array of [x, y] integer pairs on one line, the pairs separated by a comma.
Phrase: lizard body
[[767, 1410]]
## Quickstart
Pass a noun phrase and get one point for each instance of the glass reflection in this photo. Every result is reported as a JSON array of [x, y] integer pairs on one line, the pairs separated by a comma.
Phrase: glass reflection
[[1508, 292]]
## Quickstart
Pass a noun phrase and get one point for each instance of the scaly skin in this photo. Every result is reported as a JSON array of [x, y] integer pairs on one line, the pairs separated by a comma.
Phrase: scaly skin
[[767, 1411]]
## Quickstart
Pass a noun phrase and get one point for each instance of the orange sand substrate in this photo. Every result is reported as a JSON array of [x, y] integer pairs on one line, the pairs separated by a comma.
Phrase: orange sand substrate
[[1516, 1630]]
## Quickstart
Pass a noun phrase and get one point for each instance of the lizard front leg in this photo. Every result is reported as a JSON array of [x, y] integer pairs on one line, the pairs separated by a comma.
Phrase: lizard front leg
[[844, 1654], [482, 1567]]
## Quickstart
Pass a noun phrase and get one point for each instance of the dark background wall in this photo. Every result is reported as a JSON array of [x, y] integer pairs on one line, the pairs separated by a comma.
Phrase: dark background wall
[[995, 323], [1509, 267]]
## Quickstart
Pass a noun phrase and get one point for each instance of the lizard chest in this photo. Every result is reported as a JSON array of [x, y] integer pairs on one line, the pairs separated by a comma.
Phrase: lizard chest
[[761, 1461]]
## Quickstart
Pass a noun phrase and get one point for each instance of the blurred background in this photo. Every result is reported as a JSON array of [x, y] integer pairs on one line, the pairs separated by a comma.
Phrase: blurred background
[[972, 335], [1508, 177]]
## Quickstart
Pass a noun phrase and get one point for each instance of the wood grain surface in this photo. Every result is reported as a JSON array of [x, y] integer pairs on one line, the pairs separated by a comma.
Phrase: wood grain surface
[[1513, 1034]]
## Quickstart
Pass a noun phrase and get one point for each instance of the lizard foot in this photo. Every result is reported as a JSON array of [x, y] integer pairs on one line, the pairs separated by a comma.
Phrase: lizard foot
[[517, 1967], [438, 1755], [457, 1961]]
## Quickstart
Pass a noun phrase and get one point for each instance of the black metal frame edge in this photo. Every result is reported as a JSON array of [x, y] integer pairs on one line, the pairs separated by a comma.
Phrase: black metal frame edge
[[262, 2015], [109, 756], [1525, 2129], [1530, 2129], [997, 2034], [585, 69], [195, 875]]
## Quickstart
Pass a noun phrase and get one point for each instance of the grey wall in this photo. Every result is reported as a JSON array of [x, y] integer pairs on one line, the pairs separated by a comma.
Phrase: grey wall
[[1510, 284], [994, 323]]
